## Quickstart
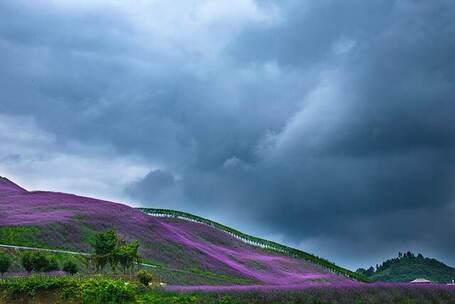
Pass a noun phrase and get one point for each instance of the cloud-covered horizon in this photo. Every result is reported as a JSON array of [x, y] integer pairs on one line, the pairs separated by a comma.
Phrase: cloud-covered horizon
[[323, 124]]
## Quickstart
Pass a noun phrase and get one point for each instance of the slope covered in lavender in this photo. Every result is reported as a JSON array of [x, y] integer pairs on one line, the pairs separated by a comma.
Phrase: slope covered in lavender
[[58, 220]]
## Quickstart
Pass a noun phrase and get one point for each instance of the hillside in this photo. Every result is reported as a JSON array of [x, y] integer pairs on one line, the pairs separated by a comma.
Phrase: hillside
[[197, 253], [262, 243], [407, 267]]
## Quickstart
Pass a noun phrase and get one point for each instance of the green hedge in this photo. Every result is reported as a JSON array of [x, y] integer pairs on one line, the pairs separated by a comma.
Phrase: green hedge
[[97, 290], [261, 242]]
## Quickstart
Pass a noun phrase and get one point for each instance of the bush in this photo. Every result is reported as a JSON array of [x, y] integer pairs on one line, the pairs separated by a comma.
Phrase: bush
[[5, 263], [53, 264], [26, 261], [39, 262], [29, 285], [70, 267], [144, 277], [106, 291], [74, 289]]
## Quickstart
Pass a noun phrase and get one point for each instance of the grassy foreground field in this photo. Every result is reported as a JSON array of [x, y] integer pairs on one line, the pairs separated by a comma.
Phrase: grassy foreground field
[[99, 289]]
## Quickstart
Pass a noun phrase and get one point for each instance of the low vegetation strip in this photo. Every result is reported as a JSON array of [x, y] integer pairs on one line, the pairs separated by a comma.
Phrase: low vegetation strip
[[101, 289], [67, 289], [255, 241]]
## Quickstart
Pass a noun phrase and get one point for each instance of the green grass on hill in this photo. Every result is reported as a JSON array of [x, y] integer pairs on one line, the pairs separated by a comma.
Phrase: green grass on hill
[[20, 236]]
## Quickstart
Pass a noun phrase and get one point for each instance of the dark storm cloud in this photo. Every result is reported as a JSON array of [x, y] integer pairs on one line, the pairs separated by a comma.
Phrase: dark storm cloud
[[327, 124], [162, 188], [309, 29]]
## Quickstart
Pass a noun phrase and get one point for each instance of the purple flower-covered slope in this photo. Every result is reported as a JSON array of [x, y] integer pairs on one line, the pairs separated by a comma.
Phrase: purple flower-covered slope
[[68, 221], [8, 186]]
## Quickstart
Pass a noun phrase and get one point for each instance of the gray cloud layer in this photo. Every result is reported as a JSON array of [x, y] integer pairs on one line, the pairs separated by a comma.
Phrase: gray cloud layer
[[326, 124]]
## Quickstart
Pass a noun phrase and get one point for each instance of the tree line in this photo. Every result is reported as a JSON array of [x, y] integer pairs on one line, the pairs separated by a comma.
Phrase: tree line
[[402, 256], [37, 262]]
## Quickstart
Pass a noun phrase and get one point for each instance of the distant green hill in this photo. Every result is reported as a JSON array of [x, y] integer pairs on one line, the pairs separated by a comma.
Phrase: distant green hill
[[407, 267]]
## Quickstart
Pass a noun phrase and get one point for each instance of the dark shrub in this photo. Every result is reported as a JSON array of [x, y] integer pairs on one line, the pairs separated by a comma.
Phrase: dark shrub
[[53, 264], [27, 262], [39, 262], [70, 267], [5, 263], [144, 277]]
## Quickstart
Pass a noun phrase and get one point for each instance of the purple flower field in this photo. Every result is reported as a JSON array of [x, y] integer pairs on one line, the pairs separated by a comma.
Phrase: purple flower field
[[68, 221], [340, 293], [340, 286]]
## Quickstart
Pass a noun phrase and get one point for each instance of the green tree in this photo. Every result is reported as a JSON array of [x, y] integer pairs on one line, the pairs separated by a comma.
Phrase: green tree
[[53, 264], [27, 262], [369, 271], [109, 249], [144, 277], [5, 263], [126, 255], [38, 261], [105, 242], [70, 267], [104, 245]]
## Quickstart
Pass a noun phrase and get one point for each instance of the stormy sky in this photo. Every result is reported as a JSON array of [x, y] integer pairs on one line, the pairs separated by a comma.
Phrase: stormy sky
[[326, 125]]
